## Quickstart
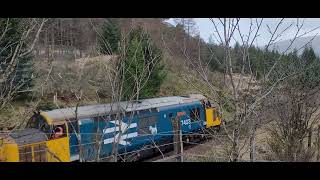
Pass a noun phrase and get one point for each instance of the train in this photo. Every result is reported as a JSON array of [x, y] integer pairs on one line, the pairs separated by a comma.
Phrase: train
[[127, 130]]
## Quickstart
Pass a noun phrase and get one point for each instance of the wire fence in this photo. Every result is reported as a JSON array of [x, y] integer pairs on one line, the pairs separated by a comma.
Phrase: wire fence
[[187, 156], [164, 133], [203, 134]]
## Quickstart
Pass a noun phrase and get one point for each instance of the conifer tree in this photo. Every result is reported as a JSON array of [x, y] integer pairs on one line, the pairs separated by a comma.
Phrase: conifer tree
[[108, 41], [19, 75], [143, 69]]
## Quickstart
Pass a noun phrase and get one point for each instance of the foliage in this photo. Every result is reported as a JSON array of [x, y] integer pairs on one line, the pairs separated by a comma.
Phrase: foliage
[[17, 68], [143, 68], [110, 37], [294, 105]]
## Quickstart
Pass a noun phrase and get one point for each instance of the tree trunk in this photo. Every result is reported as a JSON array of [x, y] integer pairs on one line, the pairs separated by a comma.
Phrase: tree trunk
[[235, 153], [177, 140], [252, 147], [79, 134], [318, 143], [309, 138]]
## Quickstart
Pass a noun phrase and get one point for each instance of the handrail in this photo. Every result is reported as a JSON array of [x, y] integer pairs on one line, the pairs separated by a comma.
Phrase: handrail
[[55, 156]]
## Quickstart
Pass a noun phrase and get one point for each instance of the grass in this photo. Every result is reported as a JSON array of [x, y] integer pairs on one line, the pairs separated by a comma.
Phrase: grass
[[216, 154], [63, 82], [13, 115]]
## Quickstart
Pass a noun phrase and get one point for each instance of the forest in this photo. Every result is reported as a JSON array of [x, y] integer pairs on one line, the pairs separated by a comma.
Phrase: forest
[[269, 100]]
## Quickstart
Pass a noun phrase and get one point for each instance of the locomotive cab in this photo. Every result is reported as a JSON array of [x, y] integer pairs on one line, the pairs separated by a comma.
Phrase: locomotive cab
[[213, 119], [38, 122], [41, 141], [53, 130]]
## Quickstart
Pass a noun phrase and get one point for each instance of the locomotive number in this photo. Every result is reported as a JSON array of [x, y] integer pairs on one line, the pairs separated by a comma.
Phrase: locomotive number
[[186, 122]]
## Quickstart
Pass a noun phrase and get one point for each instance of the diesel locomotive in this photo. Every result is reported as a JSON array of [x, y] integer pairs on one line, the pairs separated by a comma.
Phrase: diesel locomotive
[[95, 132]]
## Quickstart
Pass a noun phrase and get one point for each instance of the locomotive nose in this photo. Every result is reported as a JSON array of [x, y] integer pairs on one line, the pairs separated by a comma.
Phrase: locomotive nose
[[8, 148], [14, 145]]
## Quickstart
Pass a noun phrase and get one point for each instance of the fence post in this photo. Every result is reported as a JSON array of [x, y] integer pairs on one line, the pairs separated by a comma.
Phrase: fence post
[[177, 139], [309, 137], [318, 143], [181, 143]]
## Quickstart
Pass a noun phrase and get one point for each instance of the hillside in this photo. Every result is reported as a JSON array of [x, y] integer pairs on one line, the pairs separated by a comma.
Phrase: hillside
[[66, 58], [299, 43], [268, 102]]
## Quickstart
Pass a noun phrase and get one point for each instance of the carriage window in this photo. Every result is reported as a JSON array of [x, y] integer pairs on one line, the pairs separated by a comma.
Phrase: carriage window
[[146, 124], [195, 114]]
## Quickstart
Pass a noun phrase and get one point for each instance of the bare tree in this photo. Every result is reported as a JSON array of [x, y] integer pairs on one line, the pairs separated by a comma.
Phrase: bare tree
[[243, 91], [111, 70], [295, 107], [30, 35]]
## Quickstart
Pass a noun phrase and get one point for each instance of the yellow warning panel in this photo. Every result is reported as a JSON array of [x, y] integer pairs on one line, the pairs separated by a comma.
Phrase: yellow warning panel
[[212, 118], [59, 150], [209, 117], [9, 153]]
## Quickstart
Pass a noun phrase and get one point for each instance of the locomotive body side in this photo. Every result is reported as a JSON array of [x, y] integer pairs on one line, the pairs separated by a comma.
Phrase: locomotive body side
[[138, 130], [132, 131]]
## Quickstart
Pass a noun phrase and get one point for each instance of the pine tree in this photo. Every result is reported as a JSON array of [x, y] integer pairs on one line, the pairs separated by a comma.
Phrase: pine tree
[[108, 42], [308, 56], [143, 69], [310, 66], [237, 57], [20, 75]]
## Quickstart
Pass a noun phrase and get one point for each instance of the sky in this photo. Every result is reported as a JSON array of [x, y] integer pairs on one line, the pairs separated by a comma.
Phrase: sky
[[206, 28]]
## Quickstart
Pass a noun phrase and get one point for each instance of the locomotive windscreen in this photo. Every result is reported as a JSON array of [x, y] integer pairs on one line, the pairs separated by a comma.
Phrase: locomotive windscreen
[[38, 122]]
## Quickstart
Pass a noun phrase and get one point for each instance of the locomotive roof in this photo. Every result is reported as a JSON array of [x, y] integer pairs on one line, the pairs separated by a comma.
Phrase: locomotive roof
[[28, 136], [126, 106]]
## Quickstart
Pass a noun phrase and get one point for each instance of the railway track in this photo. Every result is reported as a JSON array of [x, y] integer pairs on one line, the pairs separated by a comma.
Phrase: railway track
[[170, 156]]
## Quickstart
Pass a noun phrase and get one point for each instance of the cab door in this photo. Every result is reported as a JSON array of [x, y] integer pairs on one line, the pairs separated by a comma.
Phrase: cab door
[[73, 140], [212, 117], [59, 146]]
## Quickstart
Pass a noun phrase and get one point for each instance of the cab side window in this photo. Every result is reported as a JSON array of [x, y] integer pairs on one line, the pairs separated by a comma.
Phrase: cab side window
[[59, 131], [38, 122], [73, 126], [33, 123], [195, 114]]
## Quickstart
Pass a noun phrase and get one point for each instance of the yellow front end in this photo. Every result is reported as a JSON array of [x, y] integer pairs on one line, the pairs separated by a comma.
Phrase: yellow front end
[[212, 118], [52, 150], [58, 150], [49, 151], [9, 152]]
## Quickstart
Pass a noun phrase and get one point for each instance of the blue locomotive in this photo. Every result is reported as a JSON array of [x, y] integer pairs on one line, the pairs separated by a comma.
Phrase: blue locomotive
[[129, 129]]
